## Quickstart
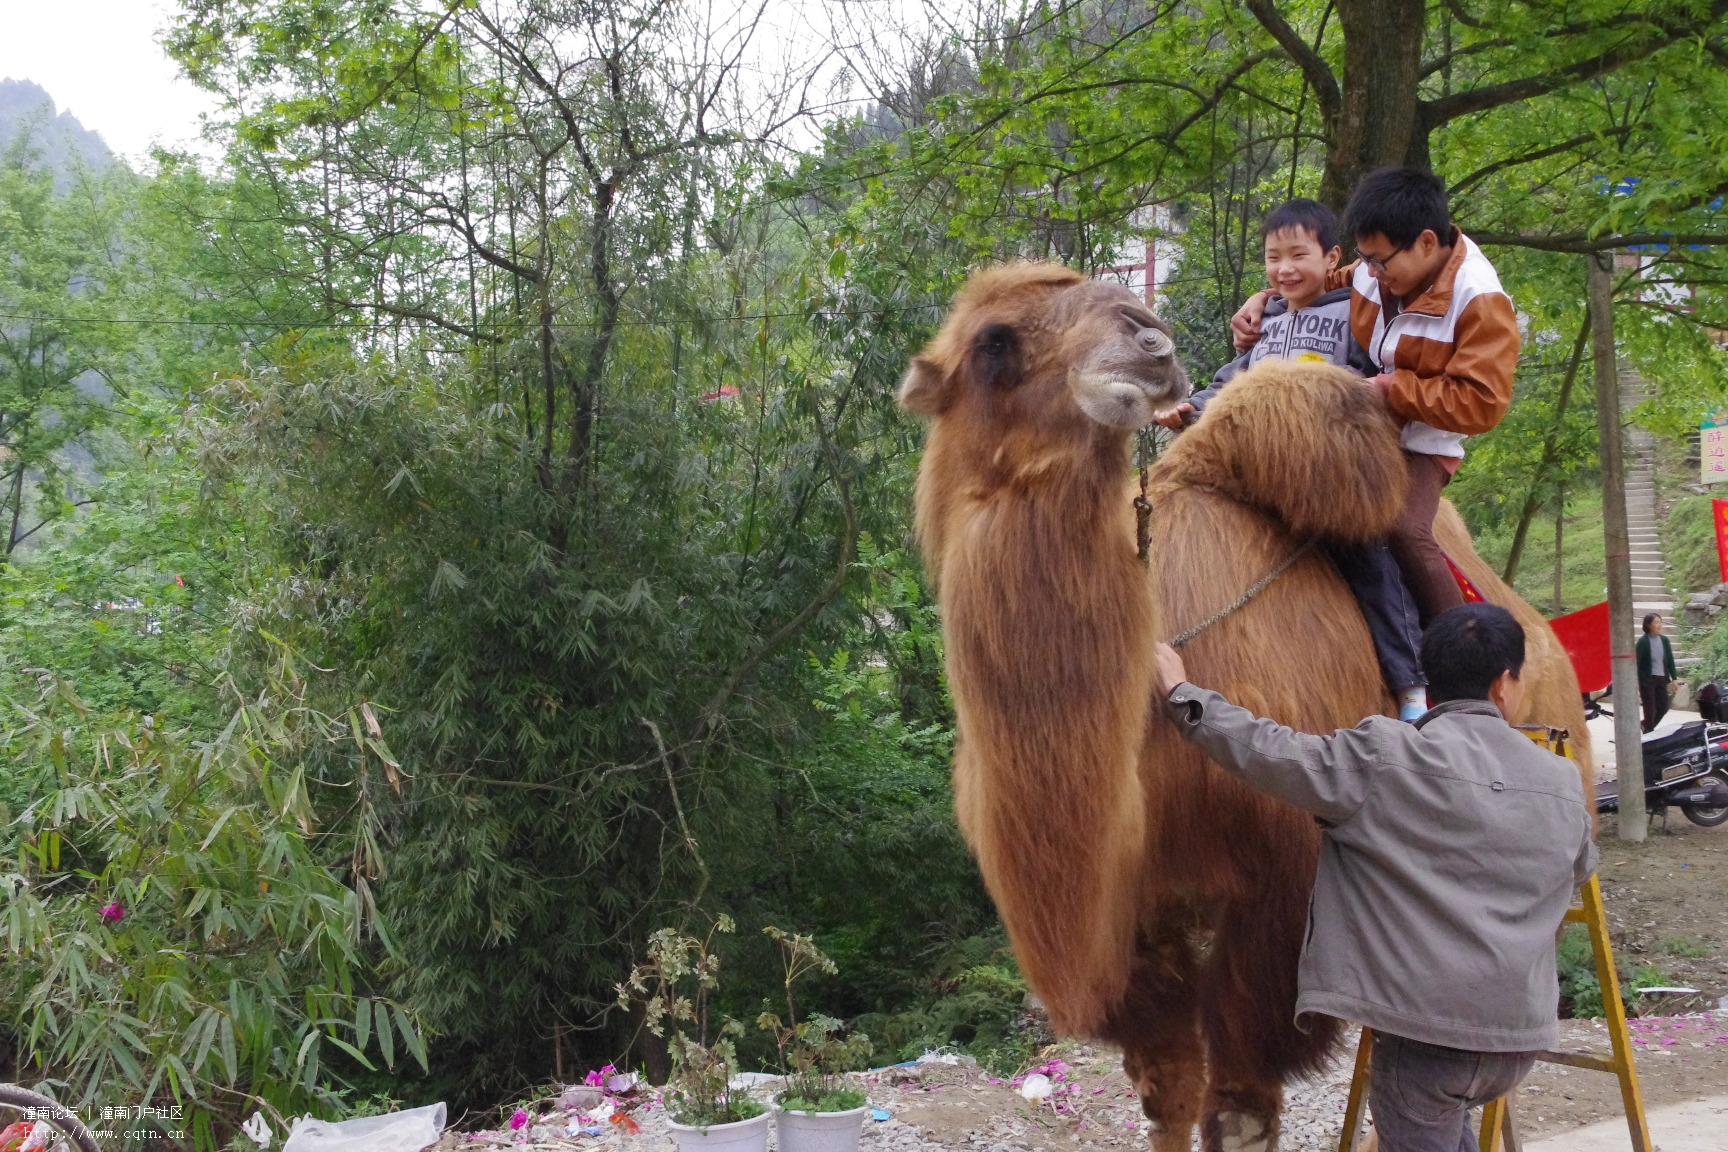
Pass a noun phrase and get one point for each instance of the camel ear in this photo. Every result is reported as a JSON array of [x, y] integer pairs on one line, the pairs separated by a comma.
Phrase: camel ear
[[924, 389]]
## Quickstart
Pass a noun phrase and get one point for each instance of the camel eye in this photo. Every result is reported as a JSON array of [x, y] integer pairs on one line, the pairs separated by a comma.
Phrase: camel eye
[[997, 341], [997, 355]]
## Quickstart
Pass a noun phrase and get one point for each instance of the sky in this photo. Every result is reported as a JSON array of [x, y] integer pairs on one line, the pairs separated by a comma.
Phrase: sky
[[99, 60]]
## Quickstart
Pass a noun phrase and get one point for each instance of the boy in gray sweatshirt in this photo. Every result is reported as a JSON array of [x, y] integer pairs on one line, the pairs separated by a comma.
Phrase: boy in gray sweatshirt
[[1452, 849]]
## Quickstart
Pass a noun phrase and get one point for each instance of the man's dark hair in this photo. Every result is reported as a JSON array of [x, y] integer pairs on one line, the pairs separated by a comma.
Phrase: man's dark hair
[[1649, 619], [1399, 204], [1467, 648], [1308, 215]]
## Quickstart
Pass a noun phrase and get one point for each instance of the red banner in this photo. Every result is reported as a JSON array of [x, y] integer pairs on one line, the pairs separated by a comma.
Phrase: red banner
[[1472, 596], [1719, 514], [1584, 635]]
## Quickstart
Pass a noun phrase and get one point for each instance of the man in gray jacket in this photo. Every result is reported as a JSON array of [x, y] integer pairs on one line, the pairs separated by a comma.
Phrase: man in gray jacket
[[1452, 850]]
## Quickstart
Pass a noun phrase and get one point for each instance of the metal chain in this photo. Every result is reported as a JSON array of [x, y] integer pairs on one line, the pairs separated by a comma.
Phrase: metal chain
[[1254, 590]]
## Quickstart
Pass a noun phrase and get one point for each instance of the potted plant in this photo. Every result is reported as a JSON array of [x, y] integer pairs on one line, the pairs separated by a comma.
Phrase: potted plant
[[817, 1110], [675, 985]]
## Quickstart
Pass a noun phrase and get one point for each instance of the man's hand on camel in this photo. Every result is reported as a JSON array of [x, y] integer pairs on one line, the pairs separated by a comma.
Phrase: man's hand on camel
[[1171, 674], [1245, 325], [1175, 418]]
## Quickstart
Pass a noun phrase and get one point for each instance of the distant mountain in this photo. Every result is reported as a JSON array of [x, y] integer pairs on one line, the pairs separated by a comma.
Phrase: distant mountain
[[57, 137]]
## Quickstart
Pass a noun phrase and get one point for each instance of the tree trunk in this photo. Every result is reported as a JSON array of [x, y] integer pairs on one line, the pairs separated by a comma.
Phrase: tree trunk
[[1519, 535], [587, 388], [1559, 547], [1550, 455], [1377, 117], [1616, 539], [548, 383], [17, 507]]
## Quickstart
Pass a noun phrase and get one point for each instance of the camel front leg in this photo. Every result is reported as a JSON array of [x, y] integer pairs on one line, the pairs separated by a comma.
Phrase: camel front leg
[[1241, 1116], [1246, 1015], [1158, 1030]]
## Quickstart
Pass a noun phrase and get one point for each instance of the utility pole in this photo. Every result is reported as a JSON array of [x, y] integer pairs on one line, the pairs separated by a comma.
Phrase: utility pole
[[1628, 735]]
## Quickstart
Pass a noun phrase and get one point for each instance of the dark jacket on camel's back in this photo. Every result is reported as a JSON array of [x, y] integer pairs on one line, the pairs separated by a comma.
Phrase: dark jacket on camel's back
[[1452, 850]]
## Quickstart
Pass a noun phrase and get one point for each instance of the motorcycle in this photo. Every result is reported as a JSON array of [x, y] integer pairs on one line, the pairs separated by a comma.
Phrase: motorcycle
[[1686, 767]]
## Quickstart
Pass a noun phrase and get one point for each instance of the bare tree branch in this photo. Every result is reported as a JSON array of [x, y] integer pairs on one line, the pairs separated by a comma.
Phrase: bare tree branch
[[710, 714], [1314, 67], [1584, 242], [1488, 170], [1448, 108]]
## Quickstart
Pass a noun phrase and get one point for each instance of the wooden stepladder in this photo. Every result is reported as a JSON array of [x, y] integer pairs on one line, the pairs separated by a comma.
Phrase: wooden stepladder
[[1499, 1133]]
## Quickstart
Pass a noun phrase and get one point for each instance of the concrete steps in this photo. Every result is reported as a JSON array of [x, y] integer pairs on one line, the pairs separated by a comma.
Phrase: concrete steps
[[1649, 567]]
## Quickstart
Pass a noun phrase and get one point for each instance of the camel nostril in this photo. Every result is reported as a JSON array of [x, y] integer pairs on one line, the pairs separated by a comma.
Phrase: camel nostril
[[1156, 343]]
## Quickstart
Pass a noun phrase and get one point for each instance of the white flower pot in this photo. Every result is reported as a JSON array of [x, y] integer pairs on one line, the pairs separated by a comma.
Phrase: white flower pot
[[739, 1136], [820, 1131]]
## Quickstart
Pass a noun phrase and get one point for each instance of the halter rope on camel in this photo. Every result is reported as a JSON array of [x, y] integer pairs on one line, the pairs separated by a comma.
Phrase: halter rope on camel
[[1254, 590], [1143, 506]]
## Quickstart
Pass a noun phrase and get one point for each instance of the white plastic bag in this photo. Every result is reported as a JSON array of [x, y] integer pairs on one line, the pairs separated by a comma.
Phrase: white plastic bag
[[1036, 1086], [258, 1131], [408, 1131]]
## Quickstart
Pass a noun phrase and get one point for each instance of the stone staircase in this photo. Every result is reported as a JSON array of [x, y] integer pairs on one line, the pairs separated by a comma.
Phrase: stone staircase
[[1649, 576], [1649, 569]]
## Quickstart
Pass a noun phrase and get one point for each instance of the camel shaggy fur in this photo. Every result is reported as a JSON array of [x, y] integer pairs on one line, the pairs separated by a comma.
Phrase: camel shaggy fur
[[1152, 900]]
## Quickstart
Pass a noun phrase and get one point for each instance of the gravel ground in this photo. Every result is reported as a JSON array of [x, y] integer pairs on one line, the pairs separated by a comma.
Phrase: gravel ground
[[939, 1107], [946, 1107]]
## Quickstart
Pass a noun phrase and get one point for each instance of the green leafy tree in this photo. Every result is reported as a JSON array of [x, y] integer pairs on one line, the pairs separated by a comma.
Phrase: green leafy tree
[[171, 934], [60, 271]]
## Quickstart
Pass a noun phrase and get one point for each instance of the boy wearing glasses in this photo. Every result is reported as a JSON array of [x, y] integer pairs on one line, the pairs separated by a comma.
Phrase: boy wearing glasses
[[1428, 307]]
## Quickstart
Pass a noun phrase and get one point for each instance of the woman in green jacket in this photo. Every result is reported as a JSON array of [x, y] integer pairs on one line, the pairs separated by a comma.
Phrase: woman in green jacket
[[1656, 673]]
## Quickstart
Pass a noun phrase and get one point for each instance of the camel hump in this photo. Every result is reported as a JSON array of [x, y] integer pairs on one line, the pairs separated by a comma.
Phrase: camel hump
[[1310, 444]]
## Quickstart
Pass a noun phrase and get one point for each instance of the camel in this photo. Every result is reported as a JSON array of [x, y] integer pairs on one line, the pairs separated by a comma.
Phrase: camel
[[1153, 901]]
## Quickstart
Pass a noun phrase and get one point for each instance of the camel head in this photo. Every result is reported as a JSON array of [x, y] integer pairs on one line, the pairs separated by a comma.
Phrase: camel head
[[1036, 363]]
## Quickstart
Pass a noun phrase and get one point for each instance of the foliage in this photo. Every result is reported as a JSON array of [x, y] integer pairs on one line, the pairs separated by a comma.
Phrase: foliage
[[1689, 546], [170, 930], [973, 1000], [1543, 453], [675, 986], [565, 444], [1712, 666], [858, 831], [127, 599], [1580, 991], [59, 274], [1684, 947], [815, 1051], [512, 365]]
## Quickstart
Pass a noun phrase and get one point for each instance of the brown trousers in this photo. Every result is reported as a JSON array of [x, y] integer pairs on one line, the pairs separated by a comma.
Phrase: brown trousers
[[1412, 540]]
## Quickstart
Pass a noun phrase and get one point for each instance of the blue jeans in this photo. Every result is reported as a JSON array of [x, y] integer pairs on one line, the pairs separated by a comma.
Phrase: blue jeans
[[1374, 577], [1421, 1094]]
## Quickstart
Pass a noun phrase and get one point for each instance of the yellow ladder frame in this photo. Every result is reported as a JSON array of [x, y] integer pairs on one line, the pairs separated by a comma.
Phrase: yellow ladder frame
[[1498, 1132]]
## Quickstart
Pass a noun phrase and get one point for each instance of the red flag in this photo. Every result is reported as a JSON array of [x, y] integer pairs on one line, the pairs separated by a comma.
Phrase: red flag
[[1584, 635], [1719, 513], [1472, 596]]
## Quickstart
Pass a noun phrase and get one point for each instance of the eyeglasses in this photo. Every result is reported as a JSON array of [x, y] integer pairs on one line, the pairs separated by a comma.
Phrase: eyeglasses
[[1378, 263]]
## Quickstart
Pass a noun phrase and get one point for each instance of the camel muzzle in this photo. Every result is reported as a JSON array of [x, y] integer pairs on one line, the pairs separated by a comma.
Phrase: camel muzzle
[[1118, 400]]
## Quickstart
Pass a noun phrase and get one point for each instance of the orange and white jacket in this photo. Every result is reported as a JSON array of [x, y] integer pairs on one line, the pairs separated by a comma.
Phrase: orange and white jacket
[[1452, 351]]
